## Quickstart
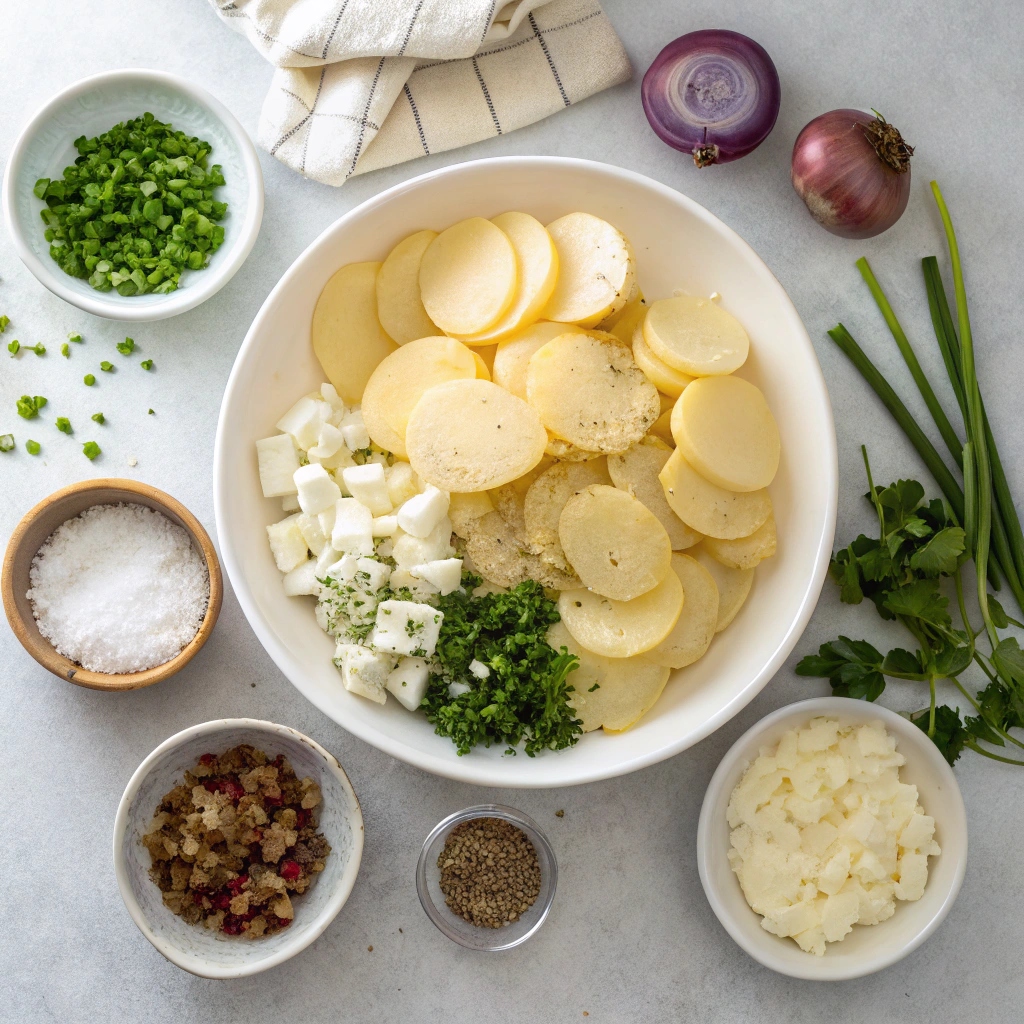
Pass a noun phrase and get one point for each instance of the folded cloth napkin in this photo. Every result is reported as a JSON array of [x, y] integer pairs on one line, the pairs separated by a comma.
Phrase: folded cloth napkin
[[363, 84]]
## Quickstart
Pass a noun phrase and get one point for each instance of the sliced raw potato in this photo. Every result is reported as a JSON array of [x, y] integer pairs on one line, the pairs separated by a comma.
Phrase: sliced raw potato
[[465, 509], [596, 270], [472, 435], [733, 585], [665, 378], [620, 629], [399, 305], [508, 503], [400, 380], [537, 264], [614, 543], [708, 508], [588, 390], [696, 336], [513, 355], [482, 370], [499, 557], [695, 628], [565, 451], [727, 433], [546, 498], [636, 472], [468, 276], [347, 335], [622, 323], [611, 692], [661, 428], [745, 552]]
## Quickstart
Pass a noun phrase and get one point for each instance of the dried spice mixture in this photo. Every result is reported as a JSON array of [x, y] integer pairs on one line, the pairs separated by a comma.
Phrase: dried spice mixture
[[234, 842], [490, 874]]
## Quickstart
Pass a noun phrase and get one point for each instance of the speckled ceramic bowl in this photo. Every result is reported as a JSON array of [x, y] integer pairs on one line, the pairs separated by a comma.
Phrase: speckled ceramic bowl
[[192, 947]]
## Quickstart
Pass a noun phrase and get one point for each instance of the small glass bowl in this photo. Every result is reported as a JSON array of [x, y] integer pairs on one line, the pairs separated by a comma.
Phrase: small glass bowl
[[428, 883]]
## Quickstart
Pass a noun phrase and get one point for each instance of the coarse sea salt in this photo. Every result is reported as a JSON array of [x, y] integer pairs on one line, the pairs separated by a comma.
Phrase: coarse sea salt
[[119, 588]]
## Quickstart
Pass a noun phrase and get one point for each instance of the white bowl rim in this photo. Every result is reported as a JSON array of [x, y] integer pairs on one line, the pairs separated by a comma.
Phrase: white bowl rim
[[195, 964], [174, 302], [715, 798], [487, 773]]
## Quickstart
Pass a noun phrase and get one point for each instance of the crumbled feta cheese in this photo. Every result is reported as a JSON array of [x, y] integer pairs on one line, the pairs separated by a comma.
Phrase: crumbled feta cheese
[[366, 484], [302, 580], [406, 627], [354, 431], [385, 526], [317, 490], [353, 527], [328, 442], [478, 669], [329, 393], [290, 503], [401, 483], [410, 551], [312, 533], [420, 515], [421, 590], [363, 671], [304, 420], [409, 681], [458, 689], [443, 573], [287, 543], [278, 459]]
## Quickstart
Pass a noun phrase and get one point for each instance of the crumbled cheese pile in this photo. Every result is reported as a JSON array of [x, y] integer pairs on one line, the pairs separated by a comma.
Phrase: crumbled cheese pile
[[825, 836], [119, 588]]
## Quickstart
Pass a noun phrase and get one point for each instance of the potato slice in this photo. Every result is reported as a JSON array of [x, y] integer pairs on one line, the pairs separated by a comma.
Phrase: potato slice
[[537, 265], [471, 435], [661, 428], [399, 305], [589, 391], [482, 372], [564, 451], [710, 509], [546, 498], [668, 380], [347, 336], [614, 543], [733, 585], [620, 629], [694, 630], [745, 552], [611, 692], [513, 355], [508, 503], [727, 433], [596, 270], [696, 336], [400, 380], [468, 277], [465, 509], [499, 557], [622, 323], [636, 472]]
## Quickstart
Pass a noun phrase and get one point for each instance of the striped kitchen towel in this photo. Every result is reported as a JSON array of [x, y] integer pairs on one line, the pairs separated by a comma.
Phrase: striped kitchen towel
[[363, 84]]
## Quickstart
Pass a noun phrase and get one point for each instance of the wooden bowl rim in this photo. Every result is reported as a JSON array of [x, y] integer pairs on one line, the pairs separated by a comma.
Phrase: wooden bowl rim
[[44, 652]]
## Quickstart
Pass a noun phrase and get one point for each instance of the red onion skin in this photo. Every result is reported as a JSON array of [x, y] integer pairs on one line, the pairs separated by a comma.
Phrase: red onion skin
[[848, 189]]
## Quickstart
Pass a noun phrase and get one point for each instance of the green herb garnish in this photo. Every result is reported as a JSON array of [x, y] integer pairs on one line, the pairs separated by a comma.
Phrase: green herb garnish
[[39, 348], [90, 450], [136, 208], [146, 364], [525, 695], [29, 406], [75, 337], [151, 413], [14, 347], [64, 425], [98, 417], [107, 367], [4, 322], [6, 442], [88, 380], [33, 447], [65, 350], [126, 347]]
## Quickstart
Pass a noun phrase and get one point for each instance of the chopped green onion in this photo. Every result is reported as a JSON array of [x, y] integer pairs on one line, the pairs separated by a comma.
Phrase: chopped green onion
[[98, 417], [33, 447], [39, 348], [64, 425], [14, 347], [107, 367], [146, 364], [4, 321], [75, 337], [89, 380], [65, 350], [28, 406], [90, 450], [6, 442], [126, 347]]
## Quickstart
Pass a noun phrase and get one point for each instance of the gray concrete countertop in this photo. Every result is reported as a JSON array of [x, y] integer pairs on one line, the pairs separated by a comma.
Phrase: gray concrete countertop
[[631, 937]]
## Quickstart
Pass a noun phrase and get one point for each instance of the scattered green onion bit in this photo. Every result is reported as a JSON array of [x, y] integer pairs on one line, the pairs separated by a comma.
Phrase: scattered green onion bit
[[98, 417], [126, 347], [136, 208], [107, 367], [146, 364], [39, 348], [33, 447], [89, 380], [6, 442], [65, 350], [4, 321], [29, 406], [75, 337], [14, 347], [64, 425], [91, 449]]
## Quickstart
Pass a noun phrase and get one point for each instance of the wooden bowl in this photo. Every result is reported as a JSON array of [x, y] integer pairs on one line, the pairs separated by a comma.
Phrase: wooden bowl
[[41, 521]]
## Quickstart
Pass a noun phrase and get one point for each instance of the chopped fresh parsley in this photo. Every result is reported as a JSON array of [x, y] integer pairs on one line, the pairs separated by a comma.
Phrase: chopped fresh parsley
[[29, 406], [91, 449], [75, 337], [33, 447], [126, 347], [98, 417], [14, 347], [65, 350], [4, 321], [146, 364], [64, 425], [106, 366]]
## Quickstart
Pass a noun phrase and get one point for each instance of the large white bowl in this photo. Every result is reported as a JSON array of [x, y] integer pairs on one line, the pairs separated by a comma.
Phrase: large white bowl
[[678, 244], [866, 949], [92, 106]]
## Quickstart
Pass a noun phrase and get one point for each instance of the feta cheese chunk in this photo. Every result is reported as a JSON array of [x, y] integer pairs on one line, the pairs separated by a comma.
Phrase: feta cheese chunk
[[302, 581], [478, 669], [401, 483], [278, 459], [317, 491], [352, 532], [443, 573], [287, 543], [408, 682], [410, 551], [367, 484], [354, 431], [385, 526], [329, 441], [405, 627], [363, 671], [421, 590], [312, 533], [422, 512], [329, 393], [290, 503], [304, 420]]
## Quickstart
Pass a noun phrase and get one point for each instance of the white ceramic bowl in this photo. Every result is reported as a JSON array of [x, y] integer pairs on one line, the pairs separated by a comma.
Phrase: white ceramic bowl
[[866, 949], [192, 947], [92, 106], [677, 243]]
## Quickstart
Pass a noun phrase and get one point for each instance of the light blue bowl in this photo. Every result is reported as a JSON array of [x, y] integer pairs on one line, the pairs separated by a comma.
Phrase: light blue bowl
[[92, 106]]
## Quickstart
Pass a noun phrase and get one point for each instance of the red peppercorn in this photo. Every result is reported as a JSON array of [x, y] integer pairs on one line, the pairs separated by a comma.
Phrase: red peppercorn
[[301, 819], [221, 901], [290, 870], [232, 925], [235, 884], [206, 759]]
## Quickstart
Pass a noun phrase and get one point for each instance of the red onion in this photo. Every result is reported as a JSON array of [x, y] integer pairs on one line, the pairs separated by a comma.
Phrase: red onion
[[712, 93], [853, 171]]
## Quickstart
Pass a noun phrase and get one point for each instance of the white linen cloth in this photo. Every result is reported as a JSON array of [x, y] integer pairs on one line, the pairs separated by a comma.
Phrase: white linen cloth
[[363, 84]]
